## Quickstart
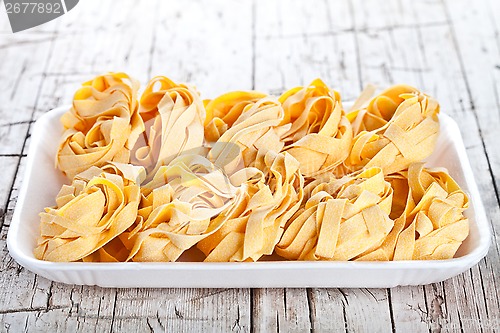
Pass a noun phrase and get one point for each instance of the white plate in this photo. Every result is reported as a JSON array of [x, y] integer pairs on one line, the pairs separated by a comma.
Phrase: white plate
[[42, 181]]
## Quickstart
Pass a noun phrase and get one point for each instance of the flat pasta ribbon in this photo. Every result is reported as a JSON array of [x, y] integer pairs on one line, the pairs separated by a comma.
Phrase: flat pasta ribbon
[[223, 111], [246, 175], [178, 207], [255, 129], [431, 225], [399, 127], [320, 135], [99, 205], [342, 219], [173, 115], [255, 223], [102, 125]]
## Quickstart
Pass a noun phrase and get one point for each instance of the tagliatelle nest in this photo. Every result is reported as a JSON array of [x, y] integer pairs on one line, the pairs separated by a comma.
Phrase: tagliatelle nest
[[178, 207], [247, 175], [397, 128], [432, 224], [173, 115], [341, 219], [320, 135], [255, 223], [102, 126], [100, 204]]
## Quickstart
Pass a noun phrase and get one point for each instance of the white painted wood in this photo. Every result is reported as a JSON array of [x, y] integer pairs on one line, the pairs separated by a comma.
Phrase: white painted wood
[[450, 49], [208, 45], [280, 19], [281, 310]]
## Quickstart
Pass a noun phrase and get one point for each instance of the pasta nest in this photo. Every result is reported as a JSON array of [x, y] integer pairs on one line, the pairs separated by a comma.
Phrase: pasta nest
[[101, 126], [100, 204], [398, 127], [342, 219]]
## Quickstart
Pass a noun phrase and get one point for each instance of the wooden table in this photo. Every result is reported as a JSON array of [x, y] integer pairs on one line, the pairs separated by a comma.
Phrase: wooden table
[[450, 49]]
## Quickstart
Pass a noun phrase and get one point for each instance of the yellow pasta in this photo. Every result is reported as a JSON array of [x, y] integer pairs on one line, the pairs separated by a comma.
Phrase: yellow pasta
[[178, 207], [429, 220], [255, 223], [255, 129], [223, 111], [173, 115], [320, 135], [99, 205], [246, 175], [399, 127], [341, 219], [102, 125]]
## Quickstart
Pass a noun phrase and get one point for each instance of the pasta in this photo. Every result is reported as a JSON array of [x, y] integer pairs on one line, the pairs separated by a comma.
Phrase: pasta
[[341, 219], [254, 224], [102, 126], [256, 129], [173, 115], [247, 175], [223, 111], [177, 208], [99, 205], [320, 135], [397, 128], [432, 225]]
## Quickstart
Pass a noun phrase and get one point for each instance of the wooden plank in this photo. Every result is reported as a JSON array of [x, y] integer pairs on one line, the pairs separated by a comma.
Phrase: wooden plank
[[82, 311], [4, 20], [281, 310], [21, 78], [351, 310], [285, 63], [9, 166], [372, 16], [213, 310], [281, 19], [208, 45]]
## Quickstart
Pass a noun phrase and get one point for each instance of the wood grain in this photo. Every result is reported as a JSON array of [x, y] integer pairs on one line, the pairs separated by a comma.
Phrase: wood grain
[[448, 48]]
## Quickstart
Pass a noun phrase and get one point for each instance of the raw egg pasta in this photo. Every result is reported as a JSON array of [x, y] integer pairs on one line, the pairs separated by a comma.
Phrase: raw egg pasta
[[397, 128], [247, 175], [341, 219], [173, 116], [255, 224], [320, 135], [102, 125], [99, 205]]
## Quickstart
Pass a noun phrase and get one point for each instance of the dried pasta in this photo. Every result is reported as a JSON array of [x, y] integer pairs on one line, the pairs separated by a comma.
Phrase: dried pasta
[[248, 175], [341, 219], [398, 127], [102, 125], [320, 135], [178, 207], [99, 205], [255, 224], [173, 115], [432, 224]]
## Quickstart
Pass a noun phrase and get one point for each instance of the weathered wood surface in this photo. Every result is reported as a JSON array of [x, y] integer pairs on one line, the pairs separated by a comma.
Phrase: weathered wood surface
[[451, 49]]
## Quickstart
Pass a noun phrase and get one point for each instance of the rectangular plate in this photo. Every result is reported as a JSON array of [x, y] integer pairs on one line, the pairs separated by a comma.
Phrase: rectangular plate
[[42, 182]]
